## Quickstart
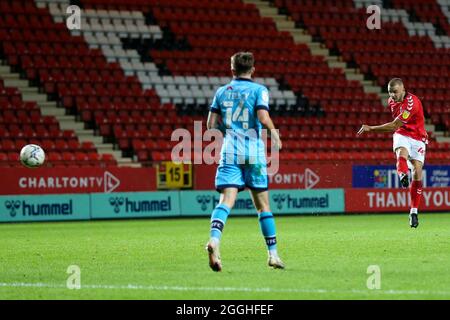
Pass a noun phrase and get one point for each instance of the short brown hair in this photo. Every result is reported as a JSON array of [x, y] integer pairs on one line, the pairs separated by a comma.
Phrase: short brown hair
[[395, 82], [242, 62]]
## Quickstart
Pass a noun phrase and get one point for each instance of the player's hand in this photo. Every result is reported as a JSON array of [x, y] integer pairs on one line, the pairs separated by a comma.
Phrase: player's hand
[[364, 128], [277, 143]]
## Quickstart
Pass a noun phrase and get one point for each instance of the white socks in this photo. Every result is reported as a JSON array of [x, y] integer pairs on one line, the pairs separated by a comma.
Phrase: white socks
[[273, 253]]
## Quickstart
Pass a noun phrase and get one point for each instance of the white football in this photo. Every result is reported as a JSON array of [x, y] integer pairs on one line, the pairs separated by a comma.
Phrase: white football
[[32, 156]]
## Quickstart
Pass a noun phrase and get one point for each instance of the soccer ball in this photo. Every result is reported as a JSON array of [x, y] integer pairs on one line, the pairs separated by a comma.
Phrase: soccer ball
[[32, 156]]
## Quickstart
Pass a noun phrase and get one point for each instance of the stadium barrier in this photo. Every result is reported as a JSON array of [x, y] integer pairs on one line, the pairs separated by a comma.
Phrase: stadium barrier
[[387, 177], [45, 207], [135, 205], [54, 207], [281, 202], [119, 205]]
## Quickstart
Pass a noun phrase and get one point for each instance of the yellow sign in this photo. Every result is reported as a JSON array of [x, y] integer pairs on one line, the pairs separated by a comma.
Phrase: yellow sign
[[174, 175]]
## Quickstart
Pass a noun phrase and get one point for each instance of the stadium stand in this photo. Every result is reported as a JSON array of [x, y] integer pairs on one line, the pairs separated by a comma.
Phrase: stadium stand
[[139, 69]]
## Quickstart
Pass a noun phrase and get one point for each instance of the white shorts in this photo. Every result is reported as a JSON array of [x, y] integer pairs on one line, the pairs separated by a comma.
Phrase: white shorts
[[416, 149]]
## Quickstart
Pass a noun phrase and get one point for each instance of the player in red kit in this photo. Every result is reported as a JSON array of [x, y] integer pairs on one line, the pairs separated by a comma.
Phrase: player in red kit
[[410, 139]]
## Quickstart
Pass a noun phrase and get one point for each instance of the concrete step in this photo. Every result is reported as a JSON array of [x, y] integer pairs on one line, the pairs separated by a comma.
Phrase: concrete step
[[116, 153], [320, 52], [258, 3], [57, 112], [29, 90], [88, 135], [34, 97], [332, 59], [11, 76], [4, 69], [285, 24], [354, 76], [295, 31], [430, 127], [367, 83], [65, 117], [129, 164], [70, 125], [268, 11], [105, 147], [337, 64], [18, 83], [302, 38], [372, 89], [48, 104]]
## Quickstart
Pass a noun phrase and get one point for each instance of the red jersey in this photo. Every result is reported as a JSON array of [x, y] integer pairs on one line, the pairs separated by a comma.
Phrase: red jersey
[[410, 112]]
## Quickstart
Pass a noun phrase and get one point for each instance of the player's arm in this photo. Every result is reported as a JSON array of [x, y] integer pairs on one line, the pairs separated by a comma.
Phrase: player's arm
[[213, 120], [266, 121], [387, 127], [214, 114]]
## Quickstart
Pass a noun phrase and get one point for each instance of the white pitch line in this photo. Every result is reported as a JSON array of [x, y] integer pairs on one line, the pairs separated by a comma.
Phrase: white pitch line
[[224, 289]]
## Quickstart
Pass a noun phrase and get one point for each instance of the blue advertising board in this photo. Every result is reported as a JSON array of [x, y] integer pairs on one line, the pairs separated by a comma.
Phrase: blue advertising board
[[282, 201], [386, 176], [135, 205], [48, 207]]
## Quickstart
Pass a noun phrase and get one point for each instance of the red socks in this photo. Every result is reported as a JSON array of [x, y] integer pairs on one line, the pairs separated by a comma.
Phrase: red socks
[[402, 166], [416, 193]]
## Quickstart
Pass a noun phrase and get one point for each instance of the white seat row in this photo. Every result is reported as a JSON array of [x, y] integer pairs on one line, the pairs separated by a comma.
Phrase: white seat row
[[145, 32], [414, 29], [202, 94], [131, 27], [445, 3], [118, 21], [61, 5]]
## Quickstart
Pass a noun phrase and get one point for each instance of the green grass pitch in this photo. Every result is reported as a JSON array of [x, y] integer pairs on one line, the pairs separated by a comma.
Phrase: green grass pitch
[[327, 257]]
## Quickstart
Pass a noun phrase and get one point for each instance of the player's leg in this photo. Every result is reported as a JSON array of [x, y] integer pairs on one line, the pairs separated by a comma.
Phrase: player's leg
[[228, 182], [220, 213], [402, 166], [417, 161], [218, 219], [267, 224], [415, 192], [255, 176], [402, 151]]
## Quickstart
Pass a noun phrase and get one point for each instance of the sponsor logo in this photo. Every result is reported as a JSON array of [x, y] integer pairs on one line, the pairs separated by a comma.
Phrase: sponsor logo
[[12, 206], [116, 202], [309, 179], [131, 206], [42, 209], [204, 200], [210, 202], [300, 202], [109, 182], [279, 199], [405, 114], [380, 178]]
